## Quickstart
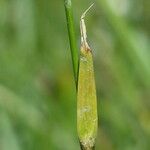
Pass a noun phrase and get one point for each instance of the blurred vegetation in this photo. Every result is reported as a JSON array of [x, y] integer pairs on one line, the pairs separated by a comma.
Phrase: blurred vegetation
[[37, 91]]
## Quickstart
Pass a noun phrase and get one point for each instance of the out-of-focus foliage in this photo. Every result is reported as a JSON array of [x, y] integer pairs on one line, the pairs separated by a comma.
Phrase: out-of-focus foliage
[[37, 91]]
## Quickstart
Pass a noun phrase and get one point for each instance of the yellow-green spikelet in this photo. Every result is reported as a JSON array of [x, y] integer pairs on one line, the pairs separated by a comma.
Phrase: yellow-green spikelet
[[87, 119]]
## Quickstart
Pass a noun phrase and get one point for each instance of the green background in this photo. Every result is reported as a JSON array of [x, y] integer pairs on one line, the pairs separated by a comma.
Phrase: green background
[[37, 89]]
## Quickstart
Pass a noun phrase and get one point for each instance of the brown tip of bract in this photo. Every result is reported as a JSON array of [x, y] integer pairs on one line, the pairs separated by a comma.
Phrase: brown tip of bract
[[85, 47]]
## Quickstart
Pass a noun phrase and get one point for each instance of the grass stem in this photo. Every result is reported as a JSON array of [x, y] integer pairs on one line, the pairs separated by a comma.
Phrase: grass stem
[[72, 38]]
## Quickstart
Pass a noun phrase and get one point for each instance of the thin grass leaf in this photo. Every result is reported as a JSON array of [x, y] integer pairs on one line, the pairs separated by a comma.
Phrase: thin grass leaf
[[72, 38]]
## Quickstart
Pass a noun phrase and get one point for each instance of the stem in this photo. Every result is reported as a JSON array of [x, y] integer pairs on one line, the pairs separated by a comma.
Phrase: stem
[[72, 38]]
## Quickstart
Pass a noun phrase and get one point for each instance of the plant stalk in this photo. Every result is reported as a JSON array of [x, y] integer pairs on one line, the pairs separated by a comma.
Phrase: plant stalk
[[72, 38]]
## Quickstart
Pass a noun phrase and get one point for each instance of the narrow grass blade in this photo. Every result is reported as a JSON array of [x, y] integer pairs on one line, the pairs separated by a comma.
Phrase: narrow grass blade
[[72, 38]]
